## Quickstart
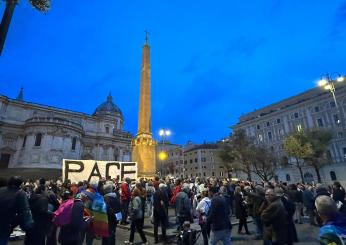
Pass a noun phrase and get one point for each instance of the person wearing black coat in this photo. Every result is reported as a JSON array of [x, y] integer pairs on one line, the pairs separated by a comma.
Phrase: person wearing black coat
[[240, 210], [113, 207], [338, 192], [72, 233], [160, 205], [15, 209], [42, 217]]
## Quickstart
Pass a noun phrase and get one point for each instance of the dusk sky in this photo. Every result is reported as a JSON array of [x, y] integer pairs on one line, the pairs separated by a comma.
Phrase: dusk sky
[[211, 61]]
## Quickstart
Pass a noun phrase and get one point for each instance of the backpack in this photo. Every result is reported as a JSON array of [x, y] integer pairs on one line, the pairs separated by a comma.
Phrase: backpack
[[63, 215]]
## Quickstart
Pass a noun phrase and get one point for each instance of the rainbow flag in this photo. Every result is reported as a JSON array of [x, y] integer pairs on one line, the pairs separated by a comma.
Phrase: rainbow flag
[[98, 209]]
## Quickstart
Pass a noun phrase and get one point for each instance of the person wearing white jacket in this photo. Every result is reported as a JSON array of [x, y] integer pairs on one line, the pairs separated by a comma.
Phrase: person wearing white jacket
[[202, 210]]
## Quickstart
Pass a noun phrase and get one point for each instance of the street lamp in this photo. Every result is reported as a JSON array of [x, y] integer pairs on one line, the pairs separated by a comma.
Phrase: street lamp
[[329, 84], [163, 154]]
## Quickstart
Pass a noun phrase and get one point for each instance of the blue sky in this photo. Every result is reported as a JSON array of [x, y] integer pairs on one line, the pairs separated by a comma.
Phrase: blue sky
[[211, 61]]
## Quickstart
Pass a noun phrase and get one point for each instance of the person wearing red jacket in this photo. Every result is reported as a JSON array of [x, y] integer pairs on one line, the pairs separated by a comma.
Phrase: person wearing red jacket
[[125, 198], [176, 190]]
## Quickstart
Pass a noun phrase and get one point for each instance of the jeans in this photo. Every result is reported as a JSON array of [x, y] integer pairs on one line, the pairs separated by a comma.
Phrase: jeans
[[137, 225], [205, 233], [259, 226], [222, 235]]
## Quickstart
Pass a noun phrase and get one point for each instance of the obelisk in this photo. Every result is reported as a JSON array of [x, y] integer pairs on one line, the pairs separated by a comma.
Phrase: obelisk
[[143, 151]]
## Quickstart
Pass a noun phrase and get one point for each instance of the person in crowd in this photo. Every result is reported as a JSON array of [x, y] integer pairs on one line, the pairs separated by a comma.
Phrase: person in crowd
[[240, 210], [125, 199], [143, 195], [257, 200], [183, 205], [218, 220], [113, 208], [338, 193], [160, 202], [275, 219], [308, 200], [150, 195], [136, 215], [72, 233], [15, 209], [176, 190], [290, 210], [42, 216], [203, 209], [333, 230]]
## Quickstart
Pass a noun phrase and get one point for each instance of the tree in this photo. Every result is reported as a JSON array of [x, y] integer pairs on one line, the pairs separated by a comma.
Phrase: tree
[[297, 146], [319, 140], [263, 163], [41, 5], [236, 153]]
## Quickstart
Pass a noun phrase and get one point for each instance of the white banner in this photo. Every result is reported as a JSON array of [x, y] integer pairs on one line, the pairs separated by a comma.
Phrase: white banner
[[80, 170]]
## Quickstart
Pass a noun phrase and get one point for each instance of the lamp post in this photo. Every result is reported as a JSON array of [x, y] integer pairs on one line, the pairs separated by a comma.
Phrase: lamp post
[[163, 154], [329, 84]]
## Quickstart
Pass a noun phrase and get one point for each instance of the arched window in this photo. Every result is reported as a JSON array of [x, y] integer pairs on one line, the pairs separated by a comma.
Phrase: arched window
[[332, 175], [308, 177], [288, 177], [38, 139], [74, 141]]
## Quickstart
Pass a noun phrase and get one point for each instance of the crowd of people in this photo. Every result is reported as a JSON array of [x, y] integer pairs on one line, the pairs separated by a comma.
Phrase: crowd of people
[[85, 211]]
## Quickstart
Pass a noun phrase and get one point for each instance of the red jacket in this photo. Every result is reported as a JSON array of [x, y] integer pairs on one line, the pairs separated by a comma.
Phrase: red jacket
[[125, 192], [176, 190]]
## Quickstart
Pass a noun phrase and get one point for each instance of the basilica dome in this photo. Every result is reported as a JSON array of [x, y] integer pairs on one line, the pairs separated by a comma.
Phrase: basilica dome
[[108, 108]]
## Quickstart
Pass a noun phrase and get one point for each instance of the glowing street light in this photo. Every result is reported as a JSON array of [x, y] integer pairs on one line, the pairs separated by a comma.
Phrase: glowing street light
[[329, 84], [163, 154]]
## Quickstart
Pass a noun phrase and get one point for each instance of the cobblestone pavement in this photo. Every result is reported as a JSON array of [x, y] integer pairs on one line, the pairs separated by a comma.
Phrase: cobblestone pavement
[[307, 236]]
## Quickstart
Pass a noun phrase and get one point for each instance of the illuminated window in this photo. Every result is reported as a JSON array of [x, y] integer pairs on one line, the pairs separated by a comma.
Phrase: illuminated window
[[299, 127]]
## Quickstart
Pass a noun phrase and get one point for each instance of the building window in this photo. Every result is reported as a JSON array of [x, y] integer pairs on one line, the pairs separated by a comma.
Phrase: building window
[[344, 150], [196, 160], [185, 161], [332, 175], [332, 104], [308, 177], [317, 109], [213, 174], [281, 131], [221, 174], [196, 167], [288, 177], [107, 130], [74, 141], [272, 148], [296, 115], [336, 119], [260, 137], [329, 155], [203, 159], [24, 141], [278, 120], [319, 122], [299, 127], [270, 137], [340, 134], [258, 126], [191, 161], [268, 124], [204, 174], [38, 139]]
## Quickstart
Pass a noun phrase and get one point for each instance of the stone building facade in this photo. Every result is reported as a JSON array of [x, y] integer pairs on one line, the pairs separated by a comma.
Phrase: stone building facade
[[40, 136], [314, 108], [192, 160]]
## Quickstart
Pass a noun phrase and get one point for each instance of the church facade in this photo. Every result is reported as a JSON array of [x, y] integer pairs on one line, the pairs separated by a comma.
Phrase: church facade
[[40, 136]]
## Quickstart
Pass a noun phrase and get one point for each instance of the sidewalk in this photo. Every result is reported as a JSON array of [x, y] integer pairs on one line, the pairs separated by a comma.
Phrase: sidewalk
[[172, 227]]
